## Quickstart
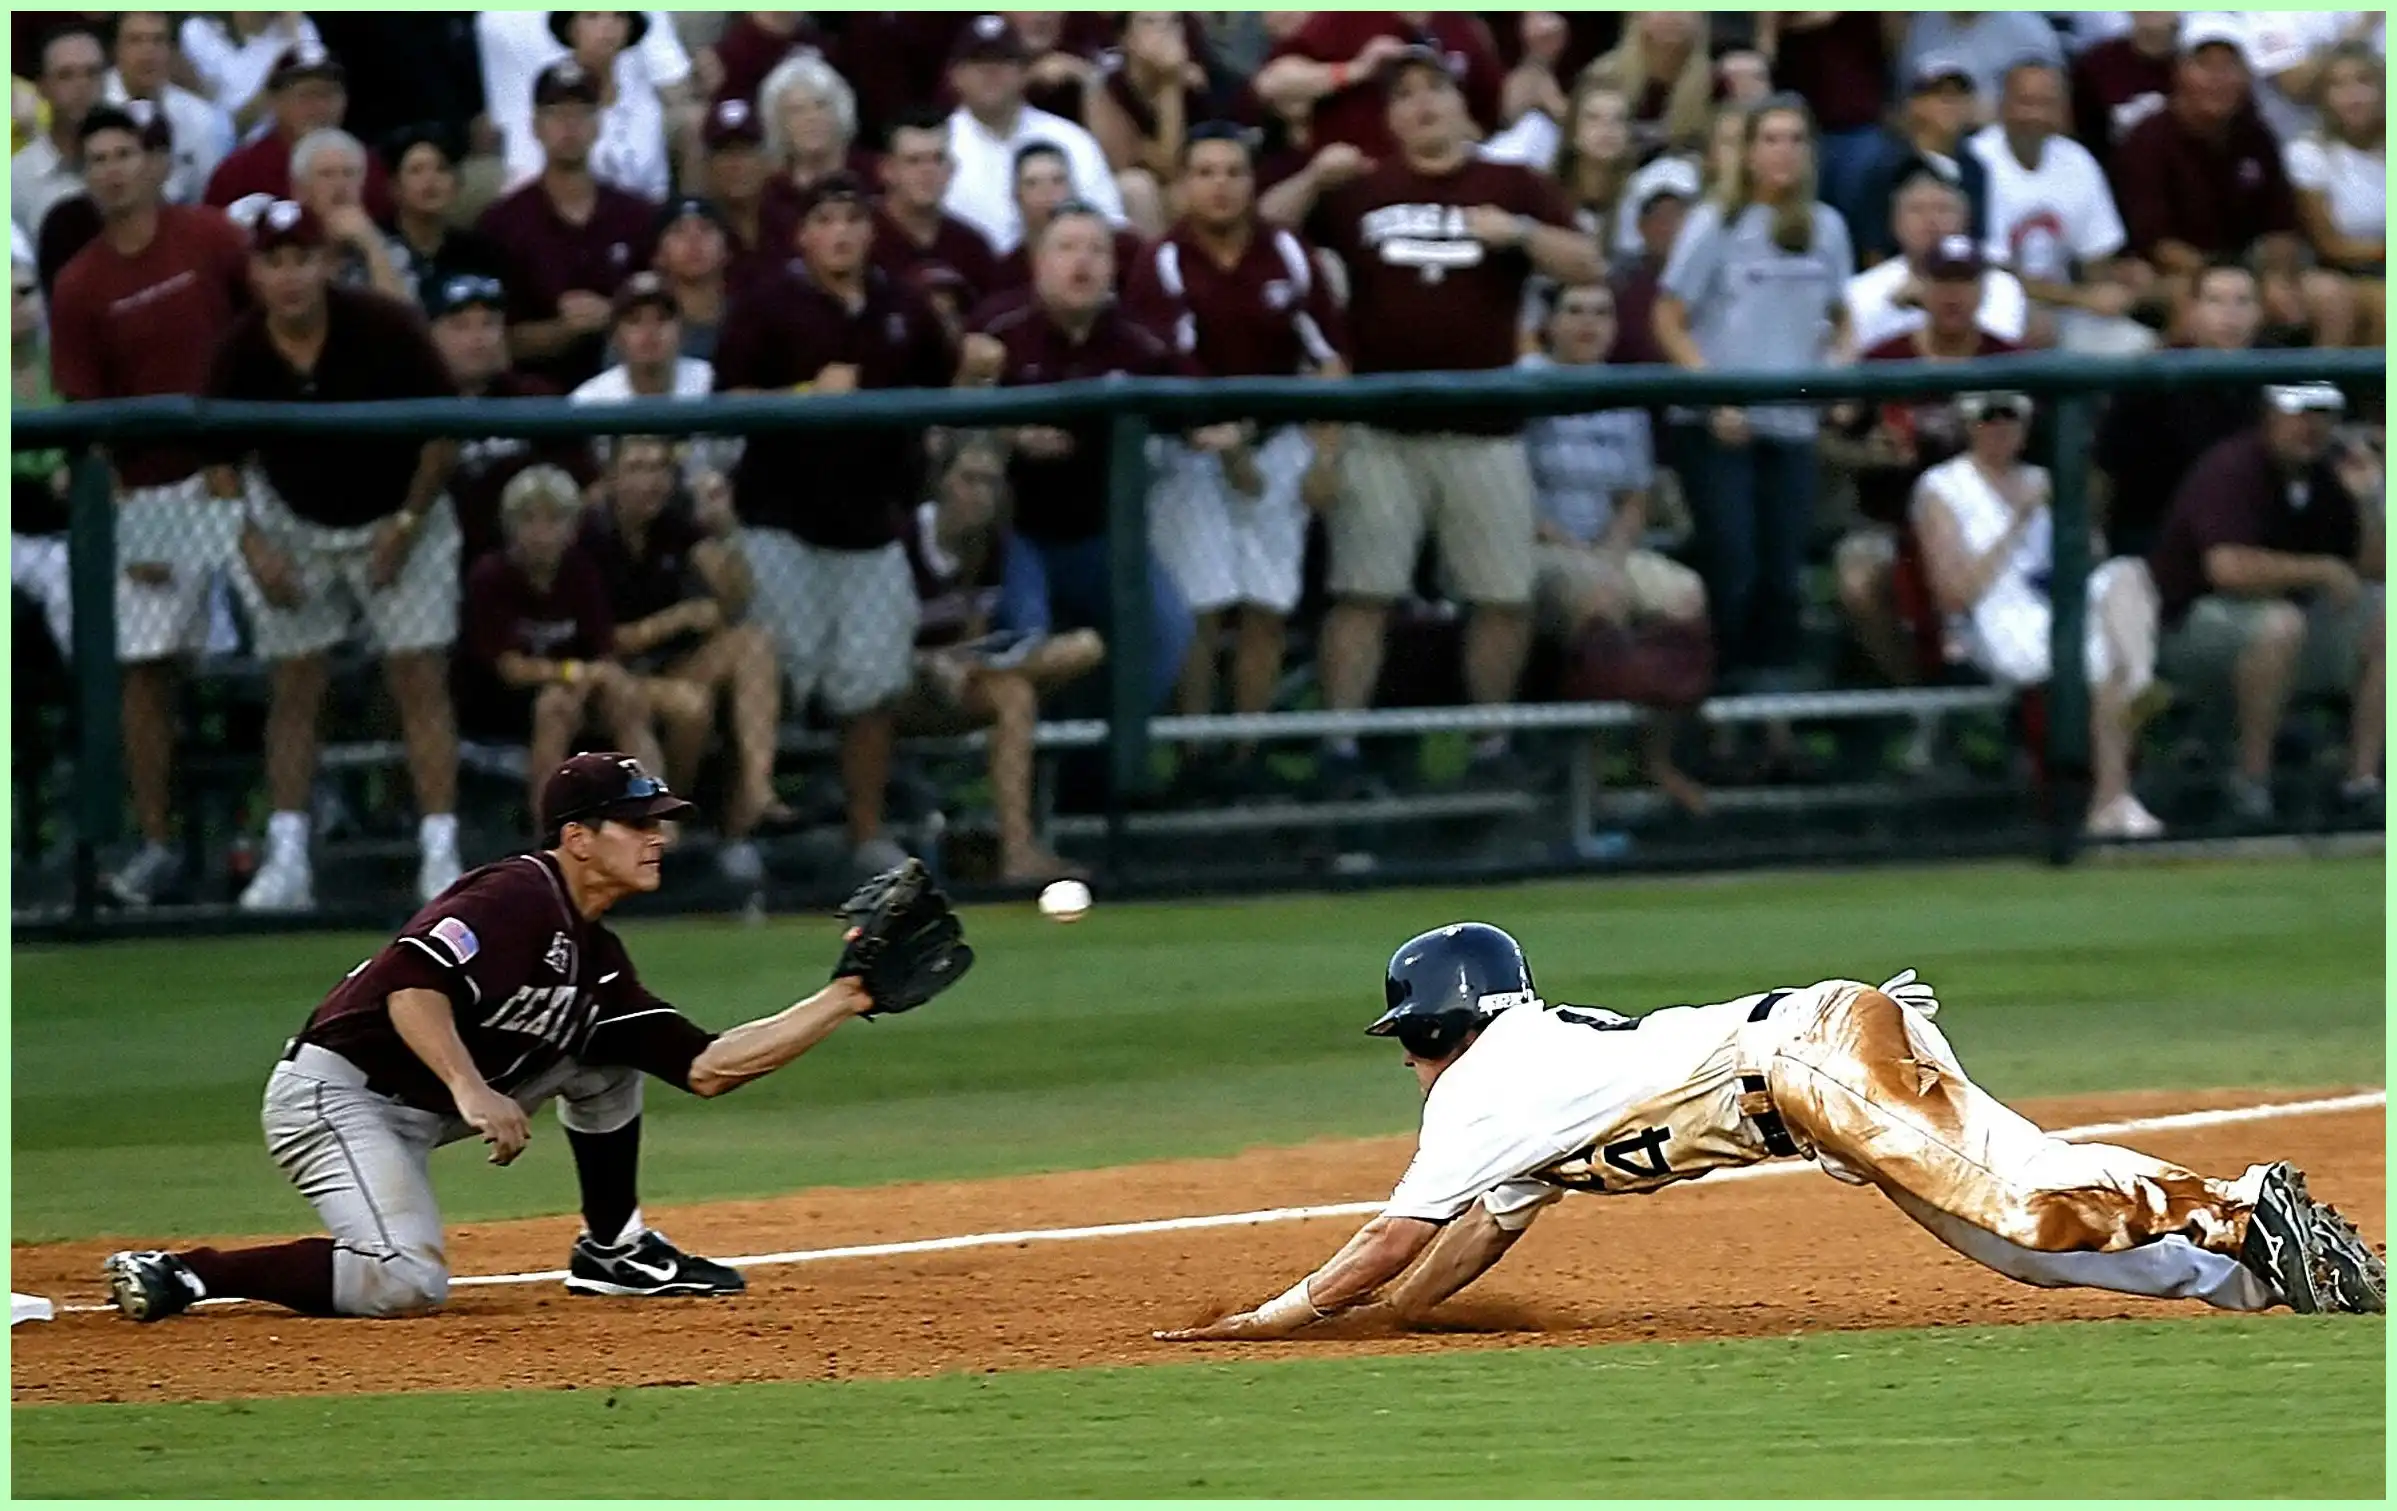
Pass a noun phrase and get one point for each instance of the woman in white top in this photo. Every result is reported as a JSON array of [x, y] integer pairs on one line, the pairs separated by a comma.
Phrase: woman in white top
[[1988, 546], [232, 52], [2340, 172]]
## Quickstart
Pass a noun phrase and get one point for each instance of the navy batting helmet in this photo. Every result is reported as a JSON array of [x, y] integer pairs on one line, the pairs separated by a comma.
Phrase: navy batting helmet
[[1443, 985]]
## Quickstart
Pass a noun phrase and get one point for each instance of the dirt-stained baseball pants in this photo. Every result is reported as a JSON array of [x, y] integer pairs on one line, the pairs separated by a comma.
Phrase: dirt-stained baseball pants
[[1870, 1090], [363, 1161]]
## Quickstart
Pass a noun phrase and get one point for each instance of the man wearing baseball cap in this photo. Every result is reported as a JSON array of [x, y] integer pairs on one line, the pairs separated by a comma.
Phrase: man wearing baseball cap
[[504, 993], [1939, 111], [734, 181], [645, 325], [992, 123], [694, 257], [308, 90]]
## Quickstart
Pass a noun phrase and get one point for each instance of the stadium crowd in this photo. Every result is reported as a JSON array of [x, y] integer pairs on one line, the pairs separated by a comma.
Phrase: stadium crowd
[[319, 207]]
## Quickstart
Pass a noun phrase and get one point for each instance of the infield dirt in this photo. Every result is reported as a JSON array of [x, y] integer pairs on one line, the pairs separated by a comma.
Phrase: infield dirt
[[1706, 1259]]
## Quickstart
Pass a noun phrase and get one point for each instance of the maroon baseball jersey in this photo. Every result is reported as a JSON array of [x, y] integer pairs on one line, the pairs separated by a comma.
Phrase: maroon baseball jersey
[[844, 490], [121, 327], [1424, 296], [264, 167], [549, 255], [1268, 314], [955, 246], [1359, 114], [1014, 271], [530, 981], [374, 348], [2219, 195], [1064, 499]]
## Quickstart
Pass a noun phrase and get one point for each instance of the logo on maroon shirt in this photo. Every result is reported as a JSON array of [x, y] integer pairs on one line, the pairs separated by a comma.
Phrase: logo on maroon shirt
[[539, 1012], [561, 954], [1429, 238], [1277, 294]]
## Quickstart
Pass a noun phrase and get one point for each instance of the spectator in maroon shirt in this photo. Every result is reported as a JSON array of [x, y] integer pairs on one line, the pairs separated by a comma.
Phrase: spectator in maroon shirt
[[427, 247], [677, 584], [1658, 199], [822, 510], [734, 174], [1239, 299], [752, 43], [2270, 576], [898, 61], [339, 528], [1062, 49], [309, 94], [2124, 80], [1057, 574], [538, 660], [2202, 178], [911, 230], [138, 312], [1439, 244], [1333, 65], [1152, 87], [694, 250], [1044, 183], [467, 315], [810, 117], [570, 239], [74, 222], [1839, 61]]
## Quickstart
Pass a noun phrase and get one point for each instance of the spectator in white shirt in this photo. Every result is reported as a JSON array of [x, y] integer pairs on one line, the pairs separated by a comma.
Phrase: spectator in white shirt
[[992, 123], [2340, 173], [645, 81], [234, 53], [2052, 219], [203, 134], [2287, 52], [647, 339], [51, 166], [1885, 300]]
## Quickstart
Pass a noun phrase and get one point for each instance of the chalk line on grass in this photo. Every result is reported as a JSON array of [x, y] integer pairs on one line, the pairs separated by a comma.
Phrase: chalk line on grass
[[2210, 1118]]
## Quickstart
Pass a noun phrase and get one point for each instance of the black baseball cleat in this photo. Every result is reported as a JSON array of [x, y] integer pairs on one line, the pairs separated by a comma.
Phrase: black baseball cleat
[[150, 1284], [2358, 1279], [2282, 1243], [647, 1266]]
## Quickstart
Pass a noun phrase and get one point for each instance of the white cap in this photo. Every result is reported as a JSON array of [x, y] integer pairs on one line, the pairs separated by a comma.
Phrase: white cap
[[1666, 175], [2204, 28], [2299, 398]]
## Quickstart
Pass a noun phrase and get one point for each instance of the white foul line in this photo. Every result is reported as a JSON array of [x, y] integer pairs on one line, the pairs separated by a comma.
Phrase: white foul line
[[2214, 1117]]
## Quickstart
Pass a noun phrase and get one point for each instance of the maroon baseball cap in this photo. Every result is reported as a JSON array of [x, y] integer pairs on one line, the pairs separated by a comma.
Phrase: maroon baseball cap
[[305, 60], [565, 82], [833, 188], [990, 39], [1955, 258], [644, 289], [285, 223], [606, 784], [732, 123]]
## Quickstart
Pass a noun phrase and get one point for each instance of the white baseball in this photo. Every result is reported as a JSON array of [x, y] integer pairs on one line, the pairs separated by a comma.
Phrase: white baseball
[[1064, 901]]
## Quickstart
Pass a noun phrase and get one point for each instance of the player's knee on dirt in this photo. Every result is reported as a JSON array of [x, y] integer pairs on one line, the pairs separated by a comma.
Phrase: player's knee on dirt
[[599, 1099], [396, 1284]]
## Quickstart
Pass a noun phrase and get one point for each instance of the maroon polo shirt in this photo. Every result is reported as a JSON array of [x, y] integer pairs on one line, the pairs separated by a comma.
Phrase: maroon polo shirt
[[530, 982], [1423, 295], [264, 167], [651, 578], [1841, 68], [374, 348], [1014, 271], [955, 246], [122, 327], [1064, 500], [2115, 86], [2236, 495], [1359, 114], [842, 490], [486, 466], [549, 255], [1267, 314], [2218, 194]]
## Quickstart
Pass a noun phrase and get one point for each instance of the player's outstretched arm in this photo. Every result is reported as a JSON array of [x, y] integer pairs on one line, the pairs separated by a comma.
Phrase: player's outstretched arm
[[764, 1045], [1462, 1254], [1377, 1255]]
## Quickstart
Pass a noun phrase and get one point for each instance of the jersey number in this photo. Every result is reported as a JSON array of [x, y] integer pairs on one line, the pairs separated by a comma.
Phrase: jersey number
[[1643, 1154]]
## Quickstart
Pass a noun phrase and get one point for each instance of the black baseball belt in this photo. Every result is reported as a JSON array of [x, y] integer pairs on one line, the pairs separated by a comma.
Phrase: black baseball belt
[[1756, 1102]]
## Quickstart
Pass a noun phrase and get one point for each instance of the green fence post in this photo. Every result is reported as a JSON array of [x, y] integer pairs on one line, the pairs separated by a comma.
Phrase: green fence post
[[92, 574], [1128, 694], [2068, 680]]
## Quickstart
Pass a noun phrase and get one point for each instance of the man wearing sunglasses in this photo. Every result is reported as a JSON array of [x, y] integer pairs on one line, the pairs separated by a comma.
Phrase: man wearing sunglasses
[[1525, 1101], [507, 991]]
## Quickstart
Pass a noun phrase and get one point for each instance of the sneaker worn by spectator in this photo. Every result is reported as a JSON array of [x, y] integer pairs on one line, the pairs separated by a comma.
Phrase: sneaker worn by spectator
[[154, 873]]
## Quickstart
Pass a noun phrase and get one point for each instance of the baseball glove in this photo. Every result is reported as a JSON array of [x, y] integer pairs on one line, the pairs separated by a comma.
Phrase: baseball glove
[[909, 947]]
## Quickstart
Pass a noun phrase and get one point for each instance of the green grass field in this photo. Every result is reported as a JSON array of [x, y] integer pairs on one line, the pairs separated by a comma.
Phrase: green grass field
[[1204, 1028]]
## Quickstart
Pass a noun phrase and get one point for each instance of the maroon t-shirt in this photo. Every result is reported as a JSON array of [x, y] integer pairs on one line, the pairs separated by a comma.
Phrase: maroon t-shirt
[[549, 255], [1063, 500], [2236, 495], [1841, 68], [487, 465], [955, 247], [122, 327], [1424, 296], [2115, 86], [1014, 271], [505, 611], [1359, 114], [843, 490], [264, 167], [2218, 195], [530, 982], [374, 348], [1934, 424], [1267, 315]]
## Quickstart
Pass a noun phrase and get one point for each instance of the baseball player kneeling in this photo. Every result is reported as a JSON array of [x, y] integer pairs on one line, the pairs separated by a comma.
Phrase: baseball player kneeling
[[1524, 1101], [505, 992]]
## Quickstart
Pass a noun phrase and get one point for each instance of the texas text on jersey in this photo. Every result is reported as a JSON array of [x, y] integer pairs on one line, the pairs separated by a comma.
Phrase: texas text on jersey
[[531, 982]]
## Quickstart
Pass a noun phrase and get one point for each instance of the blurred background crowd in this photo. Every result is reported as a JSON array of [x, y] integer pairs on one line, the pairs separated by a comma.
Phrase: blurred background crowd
[[313, 207]]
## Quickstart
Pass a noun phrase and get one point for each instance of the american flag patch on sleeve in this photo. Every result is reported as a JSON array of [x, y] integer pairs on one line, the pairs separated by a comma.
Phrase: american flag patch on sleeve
[[459, 939]]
